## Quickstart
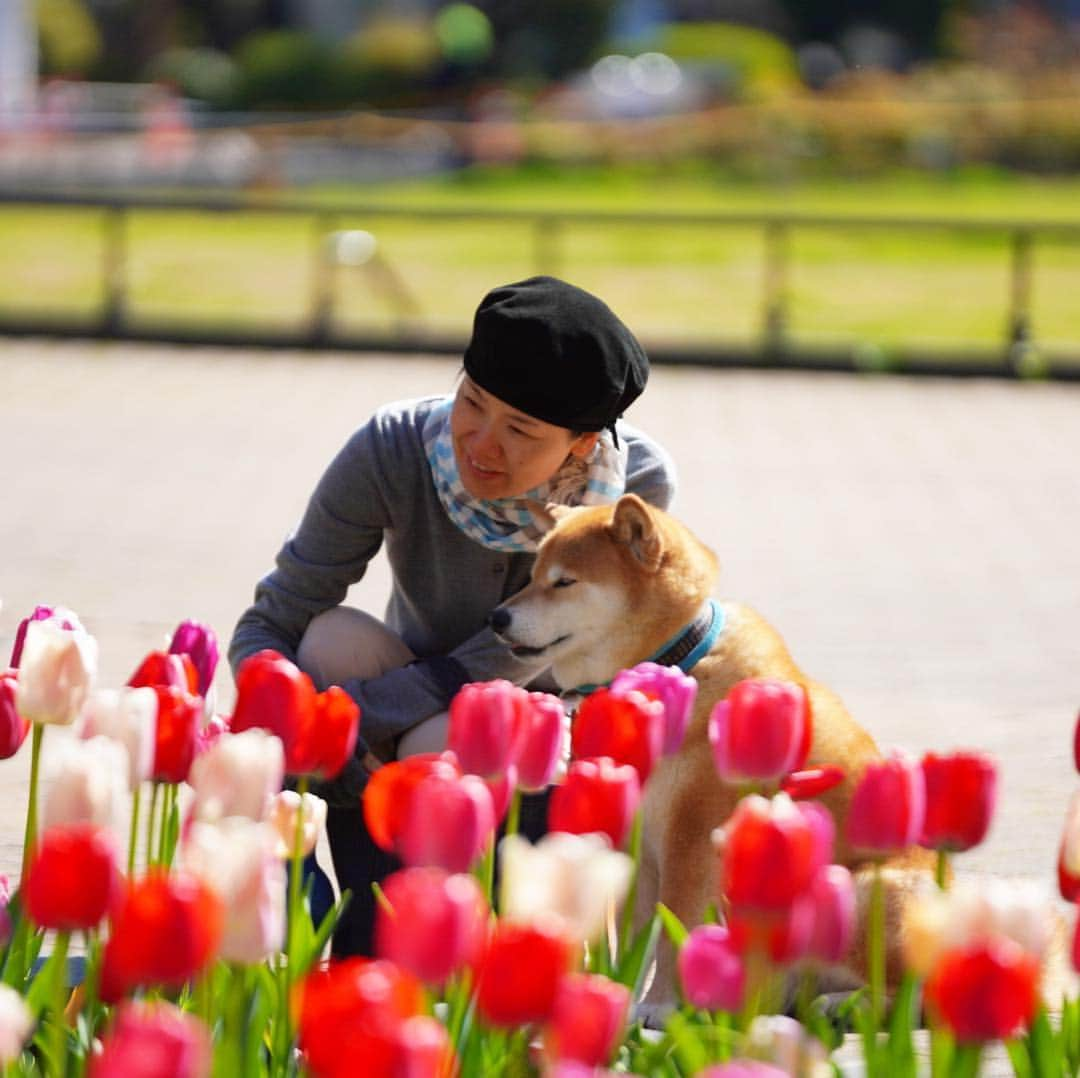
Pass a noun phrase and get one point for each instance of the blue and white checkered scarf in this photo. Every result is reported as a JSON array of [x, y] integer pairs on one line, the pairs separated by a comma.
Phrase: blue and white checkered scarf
[[509, 524]]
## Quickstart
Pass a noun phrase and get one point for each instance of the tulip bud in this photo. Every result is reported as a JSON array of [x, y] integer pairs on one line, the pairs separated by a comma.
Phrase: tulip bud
[[159, 668], [711, 970], [388, 794], [85, 783], [888, 806], [16, 1023], [541, 736], [13, 727], [1068, 865], [668, 684], [597, 795], [832, 895], [59, 615], [274, 694], [178, 717], [326, 742], [199, 643], [432, 923], [238, 776], [57, 669], [72, 880], [760, 731], [286, 806], [448, 822], [484, 721], [151, 1039], [128, 717], [627, 727], [782, 935], [5, 917], [587, 1019], [961, 792], [519, 974]]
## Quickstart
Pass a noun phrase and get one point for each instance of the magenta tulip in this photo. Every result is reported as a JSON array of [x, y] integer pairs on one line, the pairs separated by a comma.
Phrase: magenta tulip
[[587, 1020], [538, 740], [484, 718], [833, 896], [153, 1040], [668, 684], [760, 731], [13, 727], [596, 796], [888, 806], [63, 617], [448, 822], [199, 643], [961, 791], [711, 970]]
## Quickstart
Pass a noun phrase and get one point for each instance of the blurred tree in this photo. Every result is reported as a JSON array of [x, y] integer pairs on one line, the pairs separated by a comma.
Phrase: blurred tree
[[68, 38], [918, 22]]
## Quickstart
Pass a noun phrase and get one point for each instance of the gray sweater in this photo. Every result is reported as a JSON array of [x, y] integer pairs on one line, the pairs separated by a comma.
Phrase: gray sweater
[[379, 489]]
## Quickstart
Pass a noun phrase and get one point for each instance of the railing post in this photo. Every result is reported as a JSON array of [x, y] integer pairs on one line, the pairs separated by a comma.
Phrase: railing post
[[546, 242], [114, 269], [322, 280], [1019, 328], [774, 313]]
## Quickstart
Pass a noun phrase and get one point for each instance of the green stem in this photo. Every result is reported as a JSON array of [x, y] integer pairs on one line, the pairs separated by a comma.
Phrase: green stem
[[966, 1061], [151, 820], [757, 975], [58, 1046], [30, 836], [631, 895], [877, 947], [513, 813], [288, 969], [941, 870], [133, 831]]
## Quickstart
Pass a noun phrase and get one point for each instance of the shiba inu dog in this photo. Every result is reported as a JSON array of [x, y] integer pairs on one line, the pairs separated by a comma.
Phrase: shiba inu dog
[[616, 585]]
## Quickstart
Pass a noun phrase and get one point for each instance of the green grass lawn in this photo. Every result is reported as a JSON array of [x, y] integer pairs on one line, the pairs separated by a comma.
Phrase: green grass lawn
[[936, 290]]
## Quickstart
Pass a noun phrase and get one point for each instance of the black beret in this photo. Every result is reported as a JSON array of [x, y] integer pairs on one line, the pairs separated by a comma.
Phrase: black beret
[[557, 353]]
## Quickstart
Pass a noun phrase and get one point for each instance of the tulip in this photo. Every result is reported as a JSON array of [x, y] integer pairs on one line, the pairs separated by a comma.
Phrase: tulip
[[888, 806], [1068, 865], [59, 615], [832, 895], [178, 719], [539, 740], [72, 880], [432, 923], [284, 809], [782, 935], [388, 793], [743, 1068], [761, 731], [711, 970], [576, 879], [5, 916], [199, 643], [484, 720], [57, 669], [986, 992], [160, 669], [587, 1019], [16, 1023], [166, 930], [237, 859], [668, 684], [597, 795], [238, 776], [769, 853], [129, 717], [153, 1039], [273, 694], [325, 742], [519, 974], [782, 1041], [823, 830], [212, 729], [502, 788], [86, 783], [960, 796], [448, 822], [627, 727], [13, 727], [811, 781], [350, 1011], [1076, 740]]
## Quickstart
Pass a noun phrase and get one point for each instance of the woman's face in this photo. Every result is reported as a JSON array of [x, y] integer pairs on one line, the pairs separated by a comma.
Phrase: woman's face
[[502, 452]]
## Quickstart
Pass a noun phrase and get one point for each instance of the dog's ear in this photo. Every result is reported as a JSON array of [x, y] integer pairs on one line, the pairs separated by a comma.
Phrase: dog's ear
[[633, 526]]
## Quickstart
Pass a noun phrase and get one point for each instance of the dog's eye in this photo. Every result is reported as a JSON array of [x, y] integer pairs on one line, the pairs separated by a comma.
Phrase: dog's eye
[[564, 582]]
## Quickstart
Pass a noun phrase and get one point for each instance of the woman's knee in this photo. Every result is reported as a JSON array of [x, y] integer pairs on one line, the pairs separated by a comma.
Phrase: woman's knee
[[343, 643]]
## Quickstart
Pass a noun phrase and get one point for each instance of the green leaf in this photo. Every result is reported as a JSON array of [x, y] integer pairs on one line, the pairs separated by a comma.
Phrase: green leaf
[[1020, 1058], [688, 1046], [632, 966], [1043, 1047], [676, 930], [900, 1050], [942, 1047]]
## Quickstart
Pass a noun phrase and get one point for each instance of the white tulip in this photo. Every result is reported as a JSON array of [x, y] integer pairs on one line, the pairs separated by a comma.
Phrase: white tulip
[[56, 671], [85, 782], [283, 818], [16, 1022], [129, 717], [238, 775]]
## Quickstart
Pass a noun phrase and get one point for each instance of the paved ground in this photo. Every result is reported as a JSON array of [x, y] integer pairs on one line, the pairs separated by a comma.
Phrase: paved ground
[[918, 542]]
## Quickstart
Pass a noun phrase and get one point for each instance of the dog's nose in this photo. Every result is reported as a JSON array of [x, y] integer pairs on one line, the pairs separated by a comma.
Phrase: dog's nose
[[499, 618]]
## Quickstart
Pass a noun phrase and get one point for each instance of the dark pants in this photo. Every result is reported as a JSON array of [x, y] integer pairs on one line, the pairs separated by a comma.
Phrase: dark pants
[[358, 863]]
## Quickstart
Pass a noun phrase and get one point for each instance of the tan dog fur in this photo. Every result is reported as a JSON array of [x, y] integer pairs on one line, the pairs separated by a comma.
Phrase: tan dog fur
[[610, 586]]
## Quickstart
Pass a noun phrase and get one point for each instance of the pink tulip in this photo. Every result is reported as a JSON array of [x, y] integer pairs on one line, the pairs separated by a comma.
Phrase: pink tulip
[[128, 717], [153, 1040], [833, 896], [61, 616], [432, 923], [448, 822], [743, 1068], [13, 727], [587, 1020], [16, 1025], [888, 806], [484, 718], [199, 643], [823, 830], [238, 775], [711, 970], [538, 740], [761, 731], [5, 917], [674, 689]]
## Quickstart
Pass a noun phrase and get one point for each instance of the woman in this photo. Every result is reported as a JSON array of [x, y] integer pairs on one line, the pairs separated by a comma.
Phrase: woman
[[446, 483]]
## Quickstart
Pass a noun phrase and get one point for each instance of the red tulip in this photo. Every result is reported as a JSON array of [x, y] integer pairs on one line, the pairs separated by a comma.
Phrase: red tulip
[[199, 643], [13, 727], [432, 923], [711, 969], [519, 974], [770, 854], [833, 897], [448, 822], [587, 1020], [160, 668], [628, 727], [387, 796], [888, 806], [985, 992], [811, 782], [484, 720], [153, 1040], [761, 731], [961, 792], [72, 880], [1076, 740], [597, 795], [783, 935], [1068, 865], [538, 740], [324, 744], [1075, 946], [668, 684], [178, 720], [166, 930]]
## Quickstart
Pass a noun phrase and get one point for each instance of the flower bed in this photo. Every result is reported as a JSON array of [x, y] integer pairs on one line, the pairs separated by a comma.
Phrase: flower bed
[[202, 956]]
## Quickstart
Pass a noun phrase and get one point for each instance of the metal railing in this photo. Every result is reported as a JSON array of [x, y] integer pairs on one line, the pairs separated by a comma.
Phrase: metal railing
[[773, 346]]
